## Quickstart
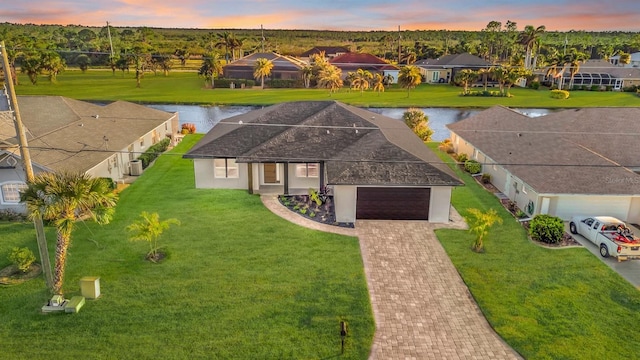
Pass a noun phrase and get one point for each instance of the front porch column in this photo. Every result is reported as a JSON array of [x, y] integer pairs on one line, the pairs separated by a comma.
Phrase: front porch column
[[321, 176], [250, 177], [286, 178]]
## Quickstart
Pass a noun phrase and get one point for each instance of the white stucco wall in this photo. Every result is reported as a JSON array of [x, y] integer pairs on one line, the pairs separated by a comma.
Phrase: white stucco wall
[[302, 183], [204, 173], [439, 204], [344, 197], [568, 206]]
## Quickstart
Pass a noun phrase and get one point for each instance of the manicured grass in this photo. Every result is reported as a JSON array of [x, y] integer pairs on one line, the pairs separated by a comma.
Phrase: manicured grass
[[547, 304], [239, 283], [188, 88]]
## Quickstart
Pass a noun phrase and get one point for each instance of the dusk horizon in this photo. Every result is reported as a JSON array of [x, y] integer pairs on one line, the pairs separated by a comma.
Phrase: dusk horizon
[[354, 15]]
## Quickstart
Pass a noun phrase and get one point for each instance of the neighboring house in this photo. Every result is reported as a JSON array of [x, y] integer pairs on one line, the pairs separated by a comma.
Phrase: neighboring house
[[444, 69], [567, 163], [634, 60], [284, 67], [70, 135], [329, 52], [600, 73], [351, 62], [375, 166]]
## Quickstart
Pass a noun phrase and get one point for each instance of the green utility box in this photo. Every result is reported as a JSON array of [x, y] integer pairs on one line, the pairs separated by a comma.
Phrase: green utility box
[[90, 287]]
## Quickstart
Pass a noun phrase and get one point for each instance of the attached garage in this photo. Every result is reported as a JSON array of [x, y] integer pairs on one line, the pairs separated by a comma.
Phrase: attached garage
[[391, 203]]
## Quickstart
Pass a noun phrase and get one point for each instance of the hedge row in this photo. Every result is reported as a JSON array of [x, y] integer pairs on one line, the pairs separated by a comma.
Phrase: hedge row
[[153, 152]]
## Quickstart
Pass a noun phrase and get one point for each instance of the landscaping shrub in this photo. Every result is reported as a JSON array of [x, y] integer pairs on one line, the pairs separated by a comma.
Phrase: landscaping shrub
[[188, 128], [446, 146], [226, 83], [559, 94], [462, 158], [110, 183], [546, 228], [22, 258], [595, 87], [153, 152], [472, 166], [282, 84], [486, 178], [11, 215], [535, 85]]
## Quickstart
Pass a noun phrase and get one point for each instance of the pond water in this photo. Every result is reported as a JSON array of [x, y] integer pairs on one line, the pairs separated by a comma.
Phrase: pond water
[[205, 117]]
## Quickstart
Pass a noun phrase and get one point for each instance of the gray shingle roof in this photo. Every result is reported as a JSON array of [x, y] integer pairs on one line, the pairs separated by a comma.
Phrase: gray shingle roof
[[358, 146], [65, 134], [578, 151], [454, 60]]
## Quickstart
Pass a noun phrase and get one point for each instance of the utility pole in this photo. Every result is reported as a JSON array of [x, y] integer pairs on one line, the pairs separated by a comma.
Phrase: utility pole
[[26, 161], [262, 41], [399, 45], [110, 43]]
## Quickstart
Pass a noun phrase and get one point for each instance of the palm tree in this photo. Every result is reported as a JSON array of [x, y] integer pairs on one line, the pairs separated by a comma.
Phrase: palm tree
[[53, 64], [387, 79], [211, 68], [480, 225], [330, 78], [409, 77], [465, 77], [573, 61], [149, 228], [225, 40], [261, 69], [307, 74], [529, 39], [500, 75], [378, 83], [63, 198], [361, 80], [556, 69], [513, 75]]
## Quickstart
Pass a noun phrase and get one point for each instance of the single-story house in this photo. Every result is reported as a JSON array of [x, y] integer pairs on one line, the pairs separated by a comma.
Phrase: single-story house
[[351, 62], [70, 135], [600, 73], [284, 67], [571, 162], [444, 69], [634, 60], [375, 166], [329, 52]]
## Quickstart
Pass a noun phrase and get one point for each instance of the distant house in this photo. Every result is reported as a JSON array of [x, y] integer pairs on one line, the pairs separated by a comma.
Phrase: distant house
[[634, 60], [444, 69], [376, 166], [329, 52], [599, 73], [571, 162], [351, 62], [284, 67], [70, 135]]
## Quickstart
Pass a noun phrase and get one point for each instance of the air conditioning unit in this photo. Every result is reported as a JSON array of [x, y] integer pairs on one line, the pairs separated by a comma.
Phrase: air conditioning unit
[[136, 168]]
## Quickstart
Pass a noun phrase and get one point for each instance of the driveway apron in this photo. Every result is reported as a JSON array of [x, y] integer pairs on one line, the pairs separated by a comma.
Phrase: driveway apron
[[422, 308]]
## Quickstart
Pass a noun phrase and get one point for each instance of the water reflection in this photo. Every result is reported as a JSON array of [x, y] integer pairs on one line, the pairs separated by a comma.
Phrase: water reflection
[[205, 117]]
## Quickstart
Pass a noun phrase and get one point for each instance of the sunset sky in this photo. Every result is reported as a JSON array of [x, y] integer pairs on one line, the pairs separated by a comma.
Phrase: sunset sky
[[560, 15]]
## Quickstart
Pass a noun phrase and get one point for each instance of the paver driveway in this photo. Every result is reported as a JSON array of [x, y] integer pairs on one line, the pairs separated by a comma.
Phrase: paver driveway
[[423, 309]]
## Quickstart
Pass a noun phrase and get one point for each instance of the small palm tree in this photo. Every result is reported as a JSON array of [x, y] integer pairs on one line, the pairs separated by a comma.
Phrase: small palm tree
[[307, 74], [465, 77], [378, 83], [149, 228], [62, 198], [409, 77], [211, 68], [361, 80], [330, 78], [480, 225], [261, 69]]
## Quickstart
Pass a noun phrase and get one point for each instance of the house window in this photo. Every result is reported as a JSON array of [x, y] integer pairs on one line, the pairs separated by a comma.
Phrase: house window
[[307, 170], [225, 168], [11, 192], [141, 142]]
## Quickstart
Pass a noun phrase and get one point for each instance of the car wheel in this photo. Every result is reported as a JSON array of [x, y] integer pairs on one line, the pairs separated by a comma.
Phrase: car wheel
[[604, 251], [572, 228]]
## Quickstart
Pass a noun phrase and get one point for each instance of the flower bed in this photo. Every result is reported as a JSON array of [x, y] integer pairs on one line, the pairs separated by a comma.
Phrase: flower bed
[[322, 212]]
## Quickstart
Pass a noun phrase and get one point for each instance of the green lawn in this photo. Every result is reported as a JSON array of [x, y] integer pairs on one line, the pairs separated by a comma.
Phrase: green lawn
[[545, 303], [239, 283], [188, 88]]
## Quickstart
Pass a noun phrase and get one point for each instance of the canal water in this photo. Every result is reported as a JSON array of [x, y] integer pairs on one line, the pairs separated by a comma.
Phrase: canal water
[[205, 117]]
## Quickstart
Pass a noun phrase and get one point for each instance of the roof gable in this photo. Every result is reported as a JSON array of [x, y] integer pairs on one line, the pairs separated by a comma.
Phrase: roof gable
[[280, 62]]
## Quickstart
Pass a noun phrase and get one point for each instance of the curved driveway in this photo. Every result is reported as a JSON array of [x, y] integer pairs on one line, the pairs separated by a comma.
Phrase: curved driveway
[[422, 308]]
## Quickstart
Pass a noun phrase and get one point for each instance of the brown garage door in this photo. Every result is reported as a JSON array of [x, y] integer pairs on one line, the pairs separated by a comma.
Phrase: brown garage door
[[387, 203]]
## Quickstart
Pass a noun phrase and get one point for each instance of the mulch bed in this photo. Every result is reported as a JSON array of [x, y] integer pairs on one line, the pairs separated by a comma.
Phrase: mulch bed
[[304, 206], [10, 275]]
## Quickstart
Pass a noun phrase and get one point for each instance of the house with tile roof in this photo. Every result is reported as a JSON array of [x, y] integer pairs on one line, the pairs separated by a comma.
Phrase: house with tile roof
[[444, 69], [351, 62], [329, 52], [376, 166], [634, 60], [284, 67], [570, 162], [70, 135]]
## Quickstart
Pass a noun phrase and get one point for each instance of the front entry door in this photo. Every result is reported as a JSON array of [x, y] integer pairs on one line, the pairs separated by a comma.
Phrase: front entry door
[[271, 173]]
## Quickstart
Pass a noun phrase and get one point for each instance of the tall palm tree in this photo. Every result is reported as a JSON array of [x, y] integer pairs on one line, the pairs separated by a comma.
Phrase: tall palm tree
[[409, 77], [225, 40], [330, 78], [261, 69], [529, 39], [211, 68], [307, 75], [378, 83], [361, 80], [513, 75], [62, 198]]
